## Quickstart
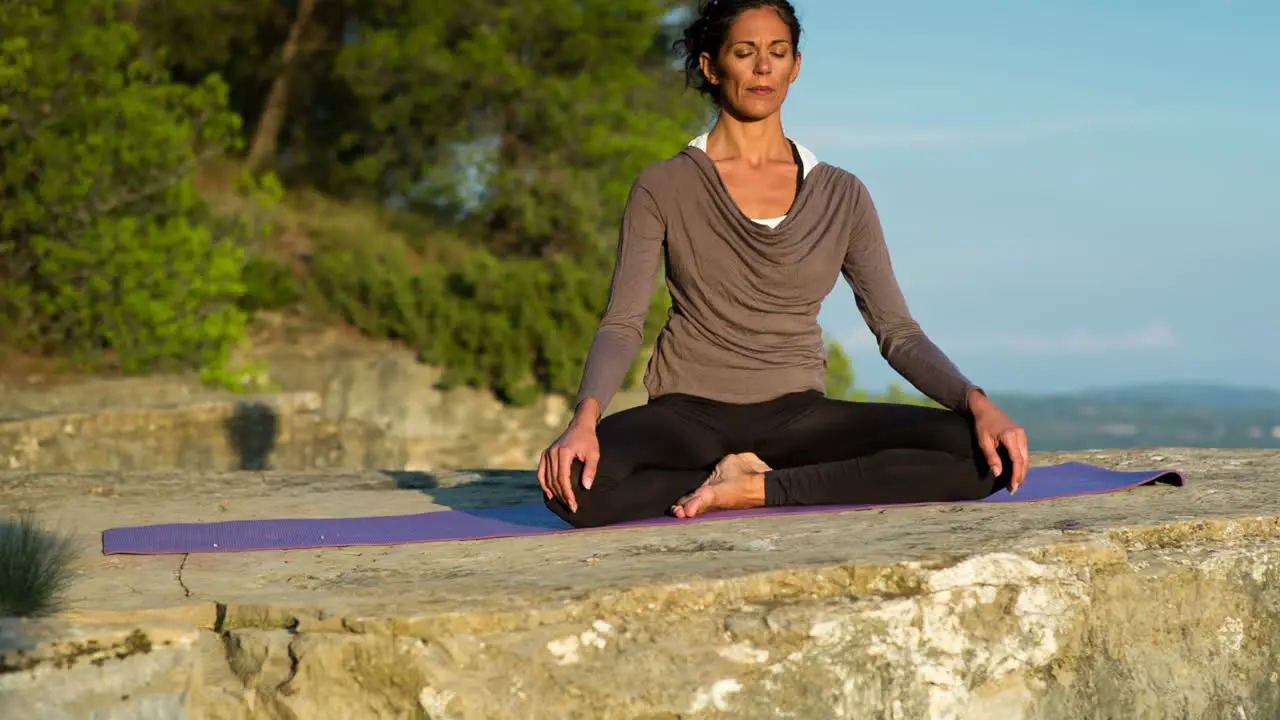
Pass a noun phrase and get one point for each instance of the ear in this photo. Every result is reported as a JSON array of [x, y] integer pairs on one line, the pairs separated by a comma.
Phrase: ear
[[708, 65], [795, 70]]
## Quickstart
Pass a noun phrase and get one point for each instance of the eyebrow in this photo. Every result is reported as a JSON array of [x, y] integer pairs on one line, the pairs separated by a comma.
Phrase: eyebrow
[[752, 43]]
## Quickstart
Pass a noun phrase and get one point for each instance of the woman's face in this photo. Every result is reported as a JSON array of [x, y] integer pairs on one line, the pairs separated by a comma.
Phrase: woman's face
[[756, 65]]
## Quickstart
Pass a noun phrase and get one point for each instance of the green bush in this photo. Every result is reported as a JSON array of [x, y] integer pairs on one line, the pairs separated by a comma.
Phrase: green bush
[[268, 285], [521, 327], [35, 568], [107, 253]]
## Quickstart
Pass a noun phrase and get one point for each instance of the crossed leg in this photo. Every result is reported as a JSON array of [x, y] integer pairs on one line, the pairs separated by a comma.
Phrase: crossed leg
[[823, 451], [689, 456], [650, 455]]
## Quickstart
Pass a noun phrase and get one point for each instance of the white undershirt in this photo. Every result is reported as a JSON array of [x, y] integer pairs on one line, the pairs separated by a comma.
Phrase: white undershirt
[[807, 161]]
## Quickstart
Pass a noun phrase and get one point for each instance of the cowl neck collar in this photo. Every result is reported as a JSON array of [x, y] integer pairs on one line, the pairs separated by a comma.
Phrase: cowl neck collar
[[729, 208]]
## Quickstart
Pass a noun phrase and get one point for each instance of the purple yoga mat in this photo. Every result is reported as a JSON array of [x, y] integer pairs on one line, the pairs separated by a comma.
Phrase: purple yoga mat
[[1043, 483]]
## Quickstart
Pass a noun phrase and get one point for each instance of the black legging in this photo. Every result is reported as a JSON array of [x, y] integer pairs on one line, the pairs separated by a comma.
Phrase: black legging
[[823, 451]]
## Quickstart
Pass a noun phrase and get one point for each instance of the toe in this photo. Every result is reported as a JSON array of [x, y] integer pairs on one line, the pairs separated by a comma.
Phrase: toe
[[680, 508], [695, 505]]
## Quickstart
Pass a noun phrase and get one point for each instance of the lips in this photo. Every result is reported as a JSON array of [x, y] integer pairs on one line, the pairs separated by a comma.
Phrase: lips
[[760, 90]]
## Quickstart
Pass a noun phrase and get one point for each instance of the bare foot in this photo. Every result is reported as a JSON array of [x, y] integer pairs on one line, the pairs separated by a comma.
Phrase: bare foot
[[736, 483]]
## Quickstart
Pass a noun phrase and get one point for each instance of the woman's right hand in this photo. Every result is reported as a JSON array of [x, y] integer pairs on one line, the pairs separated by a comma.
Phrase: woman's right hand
[[555, 467]]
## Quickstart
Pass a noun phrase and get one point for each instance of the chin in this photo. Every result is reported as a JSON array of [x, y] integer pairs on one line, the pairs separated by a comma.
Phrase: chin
[[758, 110]]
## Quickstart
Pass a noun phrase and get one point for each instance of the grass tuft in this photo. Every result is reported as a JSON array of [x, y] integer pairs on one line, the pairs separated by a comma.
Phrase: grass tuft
[[35, 568]]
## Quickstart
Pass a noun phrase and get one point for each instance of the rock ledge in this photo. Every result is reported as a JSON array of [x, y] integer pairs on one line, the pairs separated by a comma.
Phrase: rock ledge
[[1159, 602]]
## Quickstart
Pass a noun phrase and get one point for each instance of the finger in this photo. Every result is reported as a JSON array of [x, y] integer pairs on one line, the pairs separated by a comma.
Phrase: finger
[[553, 472], [988, 445], [1013, 443], [1020, 451], [1006, 440], [565, 478], [1026, 455], [589, 469], [542, 475]]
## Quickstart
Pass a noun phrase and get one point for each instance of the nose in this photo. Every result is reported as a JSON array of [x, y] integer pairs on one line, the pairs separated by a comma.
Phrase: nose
[[764, 64]]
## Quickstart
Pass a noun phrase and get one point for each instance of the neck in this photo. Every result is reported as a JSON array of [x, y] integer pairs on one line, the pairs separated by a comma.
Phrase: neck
[[755, 142]]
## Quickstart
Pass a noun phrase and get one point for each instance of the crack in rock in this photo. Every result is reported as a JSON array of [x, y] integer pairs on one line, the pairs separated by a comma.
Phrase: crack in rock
[[186, 591]]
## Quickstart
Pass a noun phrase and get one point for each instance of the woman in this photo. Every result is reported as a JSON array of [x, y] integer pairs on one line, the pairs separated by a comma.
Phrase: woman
[[755, 232]]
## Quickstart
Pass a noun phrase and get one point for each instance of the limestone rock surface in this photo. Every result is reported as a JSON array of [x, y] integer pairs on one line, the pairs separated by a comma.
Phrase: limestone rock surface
[[1155, 603], [282, 430]]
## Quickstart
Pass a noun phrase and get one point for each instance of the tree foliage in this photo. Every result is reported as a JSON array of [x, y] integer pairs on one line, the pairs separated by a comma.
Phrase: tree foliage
[[520, 327], [106, 244], [520, 121], [840, 377], [538, 114], [515, 125]]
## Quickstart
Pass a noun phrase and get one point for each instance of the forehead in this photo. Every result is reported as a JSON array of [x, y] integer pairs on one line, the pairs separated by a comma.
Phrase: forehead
[[759, 25]]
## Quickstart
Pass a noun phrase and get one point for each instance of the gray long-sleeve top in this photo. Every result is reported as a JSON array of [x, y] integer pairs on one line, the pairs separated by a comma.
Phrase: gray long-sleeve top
[[743, 325]]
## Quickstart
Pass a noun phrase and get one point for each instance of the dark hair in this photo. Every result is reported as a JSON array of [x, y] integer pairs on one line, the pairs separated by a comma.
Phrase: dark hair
[[708, 30]]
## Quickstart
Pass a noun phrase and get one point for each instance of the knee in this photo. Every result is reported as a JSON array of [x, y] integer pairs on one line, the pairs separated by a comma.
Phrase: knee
[[590, 512], [982, 481], [957, 434], [939, 430], [981, 487]]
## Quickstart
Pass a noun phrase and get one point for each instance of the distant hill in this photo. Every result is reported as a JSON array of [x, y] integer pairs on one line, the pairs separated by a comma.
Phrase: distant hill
[[1185, 414], [1173, 394]]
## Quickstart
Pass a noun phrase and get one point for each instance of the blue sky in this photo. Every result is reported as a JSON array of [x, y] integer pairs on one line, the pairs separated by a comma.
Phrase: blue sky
[[1075, 194]]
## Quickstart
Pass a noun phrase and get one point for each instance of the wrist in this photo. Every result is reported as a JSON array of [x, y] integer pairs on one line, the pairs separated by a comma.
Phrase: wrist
[[977, 400], [586, 415]]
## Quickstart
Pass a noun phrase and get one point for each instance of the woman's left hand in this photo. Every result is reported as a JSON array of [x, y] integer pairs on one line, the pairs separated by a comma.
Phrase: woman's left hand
[[995, 429]]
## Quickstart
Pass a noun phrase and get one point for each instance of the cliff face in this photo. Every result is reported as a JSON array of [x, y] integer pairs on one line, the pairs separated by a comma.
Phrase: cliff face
[[1159, 602], [350, 406]]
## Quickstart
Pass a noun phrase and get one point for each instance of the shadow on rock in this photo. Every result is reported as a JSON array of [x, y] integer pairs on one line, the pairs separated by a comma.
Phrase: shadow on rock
[[470, 489], [253, 430]]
